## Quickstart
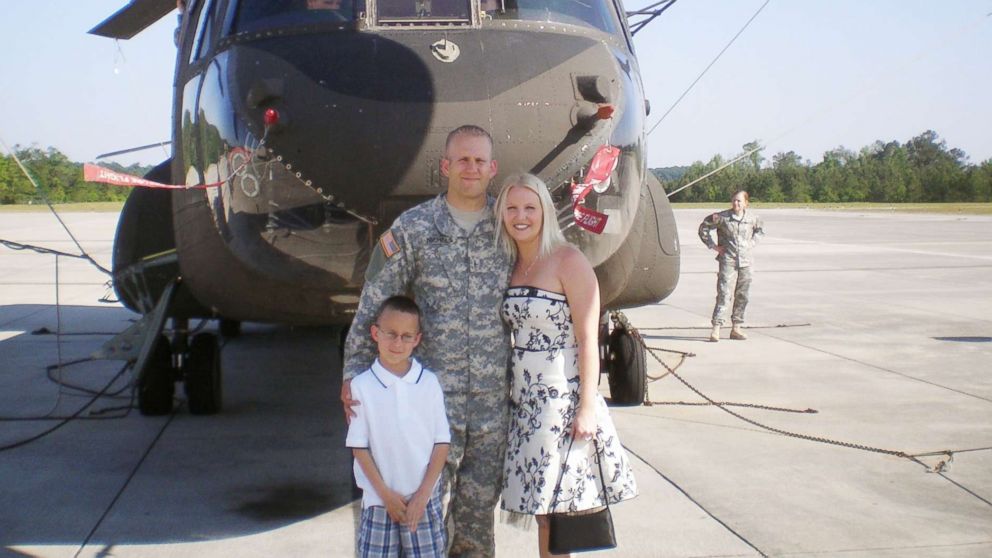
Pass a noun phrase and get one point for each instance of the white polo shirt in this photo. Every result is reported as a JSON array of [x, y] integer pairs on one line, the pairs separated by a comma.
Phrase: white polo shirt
[[399, 421]]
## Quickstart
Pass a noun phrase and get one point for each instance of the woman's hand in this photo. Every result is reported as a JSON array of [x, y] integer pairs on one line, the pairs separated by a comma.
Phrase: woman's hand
[[584, 427]]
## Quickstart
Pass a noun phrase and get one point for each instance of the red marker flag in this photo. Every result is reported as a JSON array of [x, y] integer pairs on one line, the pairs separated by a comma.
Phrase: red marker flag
[[602, 166], [603, 163], [96, 173]]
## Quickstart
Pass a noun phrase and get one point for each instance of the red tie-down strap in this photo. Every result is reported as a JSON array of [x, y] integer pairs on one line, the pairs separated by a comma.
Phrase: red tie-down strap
[[96, 173], [600, 169]]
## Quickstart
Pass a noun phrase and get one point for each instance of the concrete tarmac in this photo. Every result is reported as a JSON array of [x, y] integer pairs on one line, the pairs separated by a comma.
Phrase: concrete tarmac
[[880, 323]]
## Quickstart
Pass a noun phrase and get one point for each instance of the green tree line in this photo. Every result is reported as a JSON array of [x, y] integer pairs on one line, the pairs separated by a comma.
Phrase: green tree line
[[923, 169], [59, 179]]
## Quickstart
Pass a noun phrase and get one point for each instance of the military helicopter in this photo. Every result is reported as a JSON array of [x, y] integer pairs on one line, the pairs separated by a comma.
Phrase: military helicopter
[[304, 127]]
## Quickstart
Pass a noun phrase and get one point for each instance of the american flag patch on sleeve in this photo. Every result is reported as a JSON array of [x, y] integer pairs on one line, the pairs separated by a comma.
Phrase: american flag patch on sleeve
[[388, 244]]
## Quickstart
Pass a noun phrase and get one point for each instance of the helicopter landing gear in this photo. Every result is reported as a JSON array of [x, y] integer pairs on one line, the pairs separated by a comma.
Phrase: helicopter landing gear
[[202, 375], [163, 358], [626, 366], [199, 369], [156, 383]]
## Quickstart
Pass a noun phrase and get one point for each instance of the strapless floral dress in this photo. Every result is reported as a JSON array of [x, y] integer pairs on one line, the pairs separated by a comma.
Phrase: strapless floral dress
[[544, 398]]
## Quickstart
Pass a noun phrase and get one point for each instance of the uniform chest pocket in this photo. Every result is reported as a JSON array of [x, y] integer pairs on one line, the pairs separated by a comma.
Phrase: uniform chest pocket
[[434, 272], [484, 258], [443, 273], [488, 264]]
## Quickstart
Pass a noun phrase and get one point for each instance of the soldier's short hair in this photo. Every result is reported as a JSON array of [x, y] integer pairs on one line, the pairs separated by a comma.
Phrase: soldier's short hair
[[747, 197], [470, 130], [399, 303]]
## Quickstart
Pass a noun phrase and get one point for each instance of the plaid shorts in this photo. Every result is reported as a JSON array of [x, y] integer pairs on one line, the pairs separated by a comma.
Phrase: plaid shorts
[[379, 535]]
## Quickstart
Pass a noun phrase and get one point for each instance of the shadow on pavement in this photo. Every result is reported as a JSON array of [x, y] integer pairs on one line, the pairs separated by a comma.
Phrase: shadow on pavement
[[274, 456]]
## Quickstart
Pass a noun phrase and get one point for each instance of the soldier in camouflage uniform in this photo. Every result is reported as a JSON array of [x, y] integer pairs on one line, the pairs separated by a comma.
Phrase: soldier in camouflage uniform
[[737, 232], [443, 254]]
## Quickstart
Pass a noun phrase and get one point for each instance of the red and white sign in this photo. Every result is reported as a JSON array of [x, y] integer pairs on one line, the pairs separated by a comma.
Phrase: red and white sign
[[604, 162], [590, 219]]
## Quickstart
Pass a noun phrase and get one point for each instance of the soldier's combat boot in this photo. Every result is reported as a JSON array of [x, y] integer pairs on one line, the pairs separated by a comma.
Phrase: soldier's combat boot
[[715, 334], [736, 333]]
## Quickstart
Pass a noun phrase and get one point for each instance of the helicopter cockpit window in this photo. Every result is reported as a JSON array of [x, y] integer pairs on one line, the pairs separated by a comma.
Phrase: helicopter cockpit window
[[588, 13], [259, 15], [204, 31], [414, 12]]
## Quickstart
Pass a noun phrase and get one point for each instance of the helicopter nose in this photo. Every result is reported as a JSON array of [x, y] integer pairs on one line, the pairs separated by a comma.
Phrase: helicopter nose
[[345, 113]]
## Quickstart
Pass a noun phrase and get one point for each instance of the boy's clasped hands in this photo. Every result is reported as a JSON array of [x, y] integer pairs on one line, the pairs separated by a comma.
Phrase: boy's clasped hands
[[407, 512]]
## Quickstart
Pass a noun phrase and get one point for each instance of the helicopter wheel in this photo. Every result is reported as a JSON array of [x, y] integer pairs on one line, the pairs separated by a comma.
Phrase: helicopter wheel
[[627, 367], [203, 375], [156, 383]]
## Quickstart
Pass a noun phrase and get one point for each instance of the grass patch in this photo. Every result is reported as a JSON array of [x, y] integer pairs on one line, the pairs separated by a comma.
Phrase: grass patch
[[93, 207], [952, 208]]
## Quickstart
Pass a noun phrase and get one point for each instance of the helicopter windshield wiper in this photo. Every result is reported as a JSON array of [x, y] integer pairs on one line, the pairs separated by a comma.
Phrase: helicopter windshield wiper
[[648, 13]]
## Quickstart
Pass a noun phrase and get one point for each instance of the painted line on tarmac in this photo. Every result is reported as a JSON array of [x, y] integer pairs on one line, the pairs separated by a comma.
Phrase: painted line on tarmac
[[694, 501], [130, 477], [877, 367], [867, 247], [852, 359]]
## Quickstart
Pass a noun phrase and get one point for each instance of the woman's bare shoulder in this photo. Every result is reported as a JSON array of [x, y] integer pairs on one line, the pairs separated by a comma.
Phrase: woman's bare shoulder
[[570, 260]]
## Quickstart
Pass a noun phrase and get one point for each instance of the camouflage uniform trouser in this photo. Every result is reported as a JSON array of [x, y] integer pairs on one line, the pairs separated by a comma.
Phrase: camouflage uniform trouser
[[740, 278], [473, 477]]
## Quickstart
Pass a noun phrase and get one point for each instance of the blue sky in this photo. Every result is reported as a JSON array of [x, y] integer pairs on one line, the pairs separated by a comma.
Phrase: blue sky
[[806, 76]]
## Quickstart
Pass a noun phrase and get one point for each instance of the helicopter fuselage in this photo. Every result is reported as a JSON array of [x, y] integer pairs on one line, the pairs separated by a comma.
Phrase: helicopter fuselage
[[318, 134]]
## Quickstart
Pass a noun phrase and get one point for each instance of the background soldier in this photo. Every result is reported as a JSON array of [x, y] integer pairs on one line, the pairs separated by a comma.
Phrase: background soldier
[[737, 232], [442, 253]]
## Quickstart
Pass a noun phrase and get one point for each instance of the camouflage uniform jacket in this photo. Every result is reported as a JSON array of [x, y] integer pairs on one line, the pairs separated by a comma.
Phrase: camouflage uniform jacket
[[738, 235], [458, 279]]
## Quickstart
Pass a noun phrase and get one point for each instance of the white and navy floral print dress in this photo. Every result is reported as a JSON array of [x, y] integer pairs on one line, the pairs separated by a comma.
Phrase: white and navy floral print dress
[[544, 397]]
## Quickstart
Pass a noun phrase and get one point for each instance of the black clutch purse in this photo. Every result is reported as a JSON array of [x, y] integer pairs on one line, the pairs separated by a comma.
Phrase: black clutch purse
[[585, 530]]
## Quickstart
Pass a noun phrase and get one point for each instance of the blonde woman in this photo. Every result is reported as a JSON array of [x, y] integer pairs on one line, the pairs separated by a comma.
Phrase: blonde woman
[[552, 307]]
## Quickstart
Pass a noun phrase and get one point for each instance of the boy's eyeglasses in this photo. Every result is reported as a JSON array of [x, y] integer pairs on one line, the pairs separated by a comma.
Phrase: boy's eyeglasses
[[393, 336]]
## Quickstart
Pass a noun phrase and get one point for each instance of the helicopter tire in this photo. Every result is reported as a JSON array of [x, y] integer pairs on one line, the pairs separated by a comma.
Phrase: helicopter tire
[[627, 368], [156, 383], [202, 372], [230, 329]]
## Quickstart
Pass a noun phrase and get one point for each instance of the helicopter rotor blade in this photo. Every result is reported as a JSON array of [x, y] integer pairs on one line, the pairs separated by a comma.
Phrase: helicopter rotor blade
[[133, 149], [133, 18]]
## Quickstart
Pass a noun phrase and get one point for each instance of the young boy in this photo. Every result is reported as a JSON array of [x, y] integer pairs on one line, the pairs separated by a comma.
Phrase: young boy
[[400, 440]]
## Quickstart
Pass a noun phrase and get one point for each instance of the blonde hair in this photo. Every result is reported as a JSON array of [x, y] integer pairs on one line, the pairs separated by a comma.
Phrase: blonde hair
[[550, 236]]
